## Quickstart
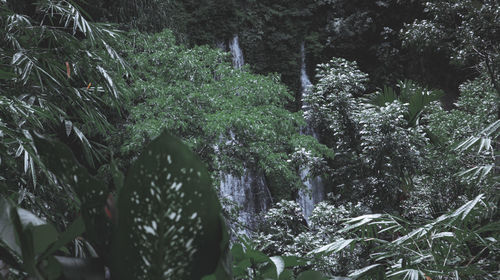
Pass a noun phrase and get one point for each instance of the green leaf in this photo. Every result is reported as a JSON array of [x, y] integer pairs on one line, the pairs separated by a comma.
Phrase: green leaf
[[118, 176], [169, 222], [490, 132], [52, 268], [410, 274], [279, 263], [267, 270], [240, 260], [7, 231], [43, 236], [25, 238], [478, 172], [491, 227], [382, 98], [293, 261], [363, 271], [435, 139], [90, 191], [359, 222], [418, 100], [73, 231], [334, 247], [286, 275], [465, 209], [257, 256], [443, 235], [78, 268], [311, 275], [28, 236], [238, 252], [43, 233]]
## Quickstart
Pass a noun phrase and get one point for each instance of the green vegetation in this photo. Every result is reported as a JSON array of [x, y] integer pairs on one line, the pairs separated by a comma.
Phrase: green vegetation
[[53, 83], [115, 138], [166, 222], [195, 94]]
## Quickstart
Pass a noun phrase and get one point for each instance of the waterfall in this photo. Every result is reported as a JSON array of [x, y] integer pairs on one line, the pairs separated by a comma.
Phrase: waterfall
[[234, 47], [248, 191], [314, 191], [304, 79]]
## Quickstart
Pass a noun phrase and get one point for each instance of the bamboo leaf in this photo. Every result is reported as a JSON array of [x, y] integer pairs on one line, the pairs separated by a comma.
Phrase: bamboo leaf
[[410, 274], [68, 125], [465, 209], [363, 271], [334, 247]]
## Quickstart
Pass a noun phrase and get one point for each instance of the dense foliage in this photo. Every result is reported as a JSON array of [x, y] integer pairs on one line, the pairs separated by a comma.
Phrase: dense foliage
[[231, 118], [53, 82], [116, 139]]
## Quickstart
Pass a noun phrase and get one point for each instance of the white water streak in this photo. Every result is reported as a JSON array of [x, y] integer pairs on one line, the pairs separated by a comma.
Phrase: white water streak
[[236, 52], [314, 192], [249, 192]]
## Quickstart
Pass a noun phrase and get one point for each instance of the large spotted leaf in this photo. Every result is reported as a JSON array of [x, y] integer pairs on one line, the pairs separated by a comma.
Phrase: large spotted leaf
[[169, 223]]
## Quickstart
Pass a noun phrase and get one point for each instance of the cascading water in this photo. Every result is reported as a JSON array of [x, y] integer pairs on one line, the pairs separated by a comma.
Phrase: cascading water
[[304, 79], [314, 192], [234, 47], [249, 192]]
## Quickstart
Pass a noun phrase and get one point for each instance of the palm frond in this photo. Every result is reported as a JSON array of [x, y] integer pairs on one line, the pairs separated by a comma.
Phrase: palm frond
[[410, 93]]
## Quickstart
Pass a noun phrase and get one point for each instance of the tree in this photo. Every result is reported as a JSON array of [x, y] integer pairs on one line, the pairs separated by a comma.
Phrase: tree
[[439, 187], [376, 147], [467, 30], [232, 118], [53, 81]]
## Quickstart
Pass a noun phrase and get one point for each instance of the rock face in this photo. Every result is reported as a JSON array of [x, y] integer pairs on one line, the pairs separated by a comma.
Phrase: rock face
[[314, 192], [250, 194]]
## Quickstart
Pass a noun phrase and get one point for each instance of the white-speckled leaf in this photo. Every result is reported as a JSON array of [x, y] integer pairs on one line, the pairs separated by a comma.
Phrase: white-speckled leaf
[[169, 223]]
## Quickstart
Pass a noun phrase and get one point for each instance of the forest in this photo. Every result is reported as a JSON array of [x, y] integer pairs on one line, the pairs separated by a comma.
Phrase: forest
[[249, 139]]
